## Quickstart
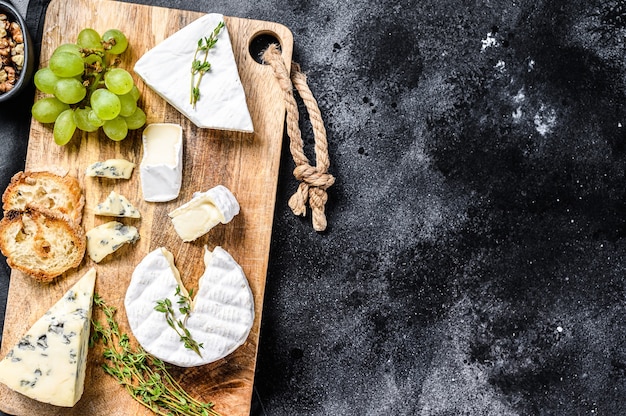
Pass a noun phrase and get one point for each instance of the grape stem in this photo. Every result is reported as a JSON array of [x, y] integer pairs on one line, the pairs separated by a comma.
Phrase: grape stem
[[200, 67]]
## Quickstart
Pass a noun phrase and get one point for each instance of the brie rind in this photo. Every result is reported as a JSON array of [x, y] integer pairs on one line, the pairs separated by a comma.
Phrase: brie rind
[[204, 211], [161, 167], [49, 361], [166, 69], [221, 317]]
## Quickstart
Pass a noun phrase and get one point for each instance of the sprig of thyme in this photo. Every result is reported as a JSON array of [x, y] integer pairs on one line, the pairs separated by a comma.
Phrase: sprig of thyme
[[144, 376], [184, 306], [200, 67]]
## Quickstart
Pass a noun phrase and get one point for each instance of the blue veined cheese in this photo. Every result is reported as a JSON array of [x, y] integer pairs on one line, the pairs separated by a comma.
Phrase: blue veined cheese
[[203, 212], [166, 69], [108, 238], [111, 168], [222, 310], [161, 167], [48, 363], [116, 205]]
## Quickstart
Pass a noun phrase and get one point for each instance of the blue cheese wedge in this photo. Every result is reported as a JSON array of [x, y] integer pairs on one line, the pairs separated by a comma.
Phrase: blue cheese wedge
[[167, 70], [221, 316], [161, 167], [116, 205], [111, 168], [203, 212], [48, 363], [108, 238]]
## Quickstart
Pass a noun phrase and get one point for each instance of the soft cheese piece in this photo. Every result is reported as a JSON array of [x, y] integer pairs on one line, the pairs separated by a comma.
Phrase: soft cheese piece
[[161, 167], [111, 168], [167, 70], [221, 317], [203, 212], [48, 363], [108, 238]]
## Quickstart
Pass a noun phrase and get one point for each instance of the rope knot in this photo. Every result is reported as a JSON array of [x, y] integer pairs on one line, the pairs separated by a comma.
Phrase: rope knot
[[314, 180]]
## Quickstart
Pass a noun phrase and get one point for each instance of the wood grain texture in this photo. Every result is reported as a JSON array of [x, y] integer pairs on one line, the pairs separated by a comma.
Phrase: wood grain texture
[[245, 163]]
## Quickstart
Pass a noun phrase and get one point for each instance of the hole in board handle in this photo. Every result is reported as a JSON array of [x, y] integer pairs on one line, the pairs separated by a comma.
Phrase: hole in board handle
[[260, 43]]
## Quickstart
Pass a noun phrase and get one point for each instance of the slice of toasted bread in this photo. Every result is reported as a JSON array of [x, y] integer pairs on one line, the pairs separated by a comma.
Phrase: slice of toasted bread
[[45, 191], [41, 243]]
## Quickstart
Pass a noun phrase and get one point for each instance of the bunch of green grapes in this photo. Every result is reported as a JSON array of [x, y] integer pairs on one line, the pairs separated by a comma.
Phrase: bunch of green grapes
[[86, 89]]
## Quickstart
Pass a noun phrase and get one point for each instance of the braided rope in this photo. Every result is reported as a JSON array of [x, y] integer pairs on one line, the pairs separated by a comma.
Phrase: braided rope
[[314, 180]]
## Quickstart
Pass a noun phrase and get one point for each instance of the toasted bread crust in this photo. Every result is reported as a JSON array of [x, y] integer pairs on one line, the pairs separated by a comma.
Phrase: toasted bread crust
[[45, 190], [41, 243]]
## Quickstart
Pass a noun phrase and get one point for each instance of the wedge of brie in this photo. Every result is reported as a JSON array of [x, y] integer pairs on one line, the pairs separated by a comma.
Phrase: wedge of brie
[[222, 311], [166, 69], [49, 361], [161, 167], [203, 212]]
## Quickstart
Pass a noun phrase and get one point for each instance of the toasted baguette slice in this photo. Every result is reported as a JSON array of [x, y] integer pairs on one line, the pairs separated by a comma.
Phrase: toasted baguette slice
[[42, 244], [45, 191]]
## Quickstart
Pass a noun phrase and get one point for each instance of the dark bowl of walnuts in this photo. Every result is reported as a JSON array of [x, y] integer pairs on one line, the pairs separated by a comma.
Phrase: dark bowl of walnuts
[[16, 53]]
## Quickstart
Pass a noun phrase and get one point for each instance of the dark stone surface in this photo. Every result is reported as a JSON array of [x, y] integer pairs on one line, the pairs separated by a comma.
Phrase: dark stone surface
[[474, 262]]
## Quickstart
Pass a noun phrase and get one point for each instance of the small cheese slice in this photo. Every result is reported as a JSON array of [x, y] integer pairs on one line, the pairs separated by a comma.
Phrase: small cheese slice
[[167, 70], [111, 168], [203, 212], [161, 167], [48, 363], [116, 205], [108, 238], [221, 317]]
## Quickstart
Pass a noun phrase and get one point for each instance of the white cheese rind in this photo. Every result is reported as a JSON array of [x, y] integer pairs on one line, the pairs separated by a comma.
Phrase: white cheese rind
[[111, 168], [108, 238], [204, 211], [167, 70], [116, 205], [221, 317], [161, 167], [48, 363]]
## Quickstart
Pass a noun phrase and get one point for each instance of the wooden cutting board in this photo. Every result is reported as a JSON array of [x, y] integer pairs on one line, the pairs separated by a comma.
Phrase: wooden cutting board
[[245, 163]]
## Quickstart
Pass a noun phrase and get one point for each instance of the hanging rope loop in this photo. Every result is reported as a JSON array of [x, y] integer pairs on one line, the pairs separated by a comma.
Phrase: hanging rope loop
[[314, 180]]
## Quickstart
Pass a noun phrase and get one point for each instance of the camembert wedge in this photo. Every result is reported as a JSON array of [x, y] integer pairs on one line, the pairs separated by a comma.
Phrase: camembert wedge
[[166, 69], [48, 363], [221, 316]]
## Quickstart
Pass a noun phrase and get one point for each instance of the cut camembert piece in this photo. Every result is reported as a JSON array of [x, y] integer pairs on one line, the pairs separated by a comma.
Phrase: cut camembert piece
[[161, 167], [221, 316], [48, 363], [204, 211], [166, 69]]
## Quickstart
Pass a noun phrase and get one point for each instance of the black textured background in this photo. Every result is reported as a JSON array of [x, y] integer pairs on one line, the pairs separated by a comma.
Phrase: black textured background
[[475, 256]]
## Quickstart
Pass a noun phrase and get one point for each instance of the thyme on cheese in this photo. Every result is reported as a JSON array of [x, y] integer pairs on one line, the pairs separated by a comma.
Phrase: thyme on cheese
[[184, 306], [200, 66], [144, 376]]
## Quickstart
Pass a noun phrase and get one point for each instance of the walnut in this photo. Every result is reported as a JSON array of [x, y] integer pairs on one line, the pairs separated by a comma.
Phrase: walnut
[[11, 53]]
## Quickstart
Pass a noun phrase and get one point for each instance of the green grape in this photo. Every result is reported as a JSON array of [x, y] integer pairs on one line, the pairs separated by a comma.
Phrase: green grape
[[69, 90], [81, 116], [105, 104], [129, 105], [135, 92], [117, 39], [136, 120], [118, 81], [64, 127], [68, 47], [115, 129], [92, 59], [45, 80], [89, 39], [66, 64], [94, 119], [48, 109]]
